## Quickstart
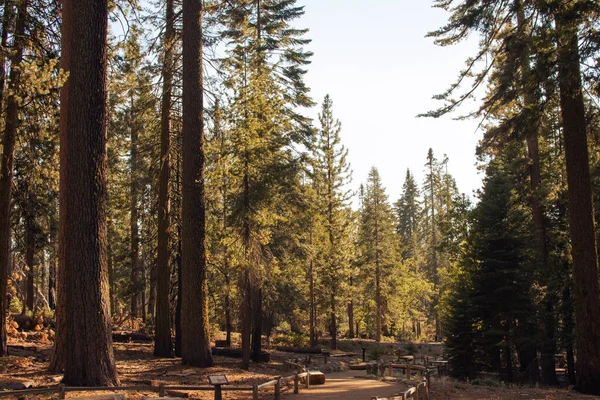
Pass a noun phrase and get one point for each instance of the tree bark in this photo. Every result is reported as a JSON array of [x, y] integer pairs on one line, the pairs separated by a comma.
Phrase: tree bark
[[133, 221], [7, 164], [581, 212], [537, 209], [195, 348], [163, 346], [313, 338], [57, 361], [257, 324], [89, 359], [246, 314], [6, 20], [29, 257]]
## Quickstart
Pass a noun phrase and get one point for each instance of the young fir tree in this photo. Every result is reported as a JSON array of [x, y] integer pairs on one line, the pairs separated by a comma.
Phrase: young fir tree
[[332, 174], [500, 299], [377, 246]]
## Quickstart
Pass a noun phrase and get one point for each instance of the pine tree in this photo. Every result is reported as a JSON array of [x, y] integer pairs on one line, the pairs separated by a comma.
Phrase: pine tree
[[332, 174], [378, 245], [408, 211], [264, 75]]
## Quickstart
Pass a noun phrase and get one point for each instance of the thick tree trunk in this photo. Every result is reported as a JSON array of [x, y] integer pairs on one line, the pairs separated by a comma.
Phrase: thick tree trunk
[[89, 359], [57, 361], [195, 348], [7, 163], [581, 212], [163, 346]]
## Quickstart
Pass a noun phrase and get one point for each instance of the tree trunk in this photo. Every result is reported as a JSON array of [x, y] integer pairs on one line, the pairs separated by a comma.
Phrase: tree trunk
[[257, 324], [89, 359], [581, 212], [351, 319], [537, 209], [313, 314], [179, 303], [134, 254], [195, 348], [7, 163], [29, 258], [57, 361], [6, 20], [333, 322], [52, 275], [228, 324], [163, 346], [246, 313]]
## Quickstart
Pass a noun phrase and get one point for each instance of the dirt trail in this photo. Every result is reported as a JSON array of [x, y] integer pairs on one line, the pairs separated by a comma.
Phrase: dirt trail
[[344, 386]]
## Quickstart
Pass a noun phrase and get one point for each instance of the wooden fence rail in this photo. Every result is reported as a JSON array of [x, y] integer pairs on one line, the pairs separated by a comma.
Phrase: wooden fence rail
[[418, 392], [162, 389]]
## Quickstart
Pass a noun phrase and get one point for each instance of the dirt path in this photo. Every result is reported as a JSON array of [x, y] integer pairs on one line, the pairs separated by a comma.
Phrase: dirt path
[[344, 386]]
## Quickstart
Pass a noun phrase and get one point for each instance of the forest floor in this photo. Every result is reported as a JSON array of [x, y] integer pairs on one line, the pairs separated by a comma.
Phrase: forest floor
[[27, 366]]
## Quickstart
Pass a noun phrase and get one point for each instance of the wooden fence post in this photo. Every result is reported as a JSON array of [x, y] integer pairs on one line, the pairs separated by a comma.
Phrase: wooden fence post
[[62, 392], [307, 379], [418, 393], [161, 390], [296, 381], [278, 389], [254, 392], [391, 370]]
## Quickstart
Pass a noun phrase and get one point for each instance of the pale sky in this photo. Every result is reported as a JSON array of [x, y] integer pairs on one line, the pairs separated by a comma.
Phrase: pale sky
[[373, 59]]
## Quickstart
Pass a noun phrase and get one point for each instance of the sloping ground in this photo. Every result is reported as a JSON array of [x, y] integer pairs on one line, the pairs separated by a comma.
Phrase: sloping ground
[[448, 389]]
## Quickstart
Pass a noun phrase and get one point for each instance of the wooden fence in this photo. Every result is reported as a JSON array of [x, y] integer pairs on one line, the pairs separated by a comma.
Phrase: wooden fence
[[419, 391], [162, 390]]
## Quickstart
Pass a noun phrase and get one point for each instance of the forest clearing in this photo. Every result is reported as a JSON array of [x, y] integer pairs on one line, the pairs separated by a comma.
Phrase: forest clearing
[[179, 213], [137, 366]]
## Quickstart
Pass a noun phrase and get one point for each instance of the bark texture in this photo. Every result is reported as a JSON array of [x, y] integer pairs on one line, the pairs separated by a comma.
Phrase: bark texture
[[89, 359], [163, 346], [7, 163], [195, 348], [581, 212], [58, 355]]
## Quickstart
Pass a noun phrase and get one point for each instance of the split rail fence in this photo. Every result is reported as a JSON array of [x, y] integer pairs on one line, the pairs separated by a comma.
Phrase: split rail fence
[[162, 390], [418, 392]]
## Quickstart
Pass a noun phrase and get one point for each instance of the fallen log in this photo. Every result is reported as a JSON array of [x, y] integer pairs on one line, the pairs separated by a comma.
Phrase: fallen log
[[298, 349], [237, 353]]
